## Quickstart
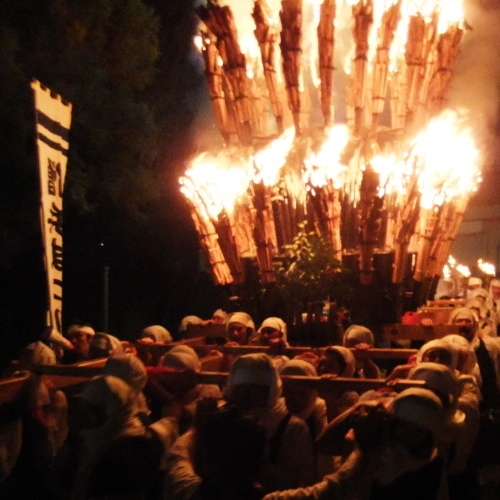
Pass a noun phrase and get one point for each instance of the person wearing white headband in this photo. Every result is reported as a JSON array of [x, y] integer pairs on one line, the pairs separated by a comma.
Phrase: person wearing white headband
[[272, 331], [473, 283]]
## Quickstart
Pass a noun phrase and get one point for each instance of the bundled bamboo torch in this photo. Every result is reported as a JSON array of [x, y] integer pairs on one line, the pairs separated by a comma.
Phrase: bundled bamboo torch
[[326, 45], [267, 36], [291, 52], [219, 20]]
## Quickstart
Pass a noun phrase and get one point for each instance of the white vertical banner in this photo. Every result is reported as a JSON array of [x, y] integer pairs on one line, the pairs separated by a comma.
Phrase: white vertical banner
[[53, 121]]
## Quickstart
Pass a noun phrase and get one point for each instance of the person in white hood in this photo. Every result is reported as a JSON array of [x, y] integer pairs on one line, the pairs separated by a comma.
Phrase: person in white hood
[[255, 387]]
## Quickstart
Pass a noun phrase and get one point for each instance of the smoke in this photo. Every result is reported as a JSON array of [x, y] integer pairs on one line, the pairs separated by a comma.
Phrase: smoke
[[476, 82]]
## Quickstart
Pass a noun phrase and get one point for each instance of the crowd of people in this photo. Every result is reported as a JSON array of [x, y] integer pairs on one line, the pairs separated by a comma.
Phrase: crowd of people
[[155, 432]]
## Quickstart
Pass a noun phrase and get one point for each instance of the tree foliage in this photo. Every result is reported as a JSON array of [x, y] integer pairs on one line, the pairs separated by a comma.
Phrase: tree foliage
[[310, 272]]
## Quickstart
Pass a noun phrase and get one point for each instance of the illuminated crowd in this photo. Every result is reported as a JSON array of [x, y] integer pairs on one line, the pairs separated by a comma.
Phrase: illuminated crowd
[[145, 429]]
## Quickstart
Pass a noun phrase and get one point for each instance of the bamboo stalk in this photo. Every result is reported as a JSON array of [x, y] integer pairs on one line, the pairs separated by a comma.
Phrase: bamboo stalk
[[291, 52], [227, 242], [386, 34], [219, 20], [362, 12], [266, 37], [326, 45]]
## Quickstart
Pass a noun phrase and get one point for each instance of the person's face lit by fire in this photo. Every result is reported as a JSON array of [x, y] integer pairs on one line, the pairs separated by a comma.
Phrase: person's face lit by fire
[[218, 320], [81, 342], [237, 332], [465, 327], [441, 356], [269, 335], [495, 291]]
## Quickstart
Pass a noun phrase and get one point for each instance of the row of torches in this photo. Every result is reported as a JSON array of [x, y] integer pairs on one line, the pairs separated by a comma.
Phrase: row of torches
[[367, 188]]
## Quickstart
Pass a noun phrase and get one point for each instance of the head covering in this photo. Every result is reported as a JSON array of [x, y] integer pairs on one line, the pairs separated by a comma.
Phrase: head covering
[[479, 304], [439, 344], [255, 368], [189, 320], [474, 281], [495, 282], [107, 343], [80, 328], [463, 313], [445, 288], [39, 353], [359, 333], [276, 323], [181, 357], [420, 407], [438, 378], [349, 360], [478, 293], [298, 367], [219, 313], [158, 333], [129, 368], [466, 353], [243, 318], [117, 399]]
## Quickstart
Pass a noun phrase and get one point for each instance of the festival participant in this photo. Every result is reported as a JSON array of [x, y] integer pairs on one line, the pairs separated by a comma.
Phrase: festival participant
[[240, 327], [395, 455], [306, 404], [219, 317], [179, 397], [361, 338], [461, 402], [118, 451], [272, 333], [229, 468], [187, 321], [473, 283], [485, 325], [131, 370], [338, 361], [487, 351], [81, 337], [467, 359], [438, 351], [255, 388], [104, 345], [155, 334]]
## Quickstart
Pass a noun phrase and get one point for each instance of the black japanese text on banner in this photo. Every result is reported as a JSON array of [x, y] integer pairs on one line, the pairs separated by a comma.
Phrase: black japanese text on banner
[[53, 120]]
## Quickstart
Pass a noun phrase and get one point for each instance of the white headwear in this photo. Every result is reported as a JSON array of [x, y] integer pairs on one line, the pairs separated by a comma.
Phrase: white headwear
[[349, 359], [360, 333], [181, 357], [466, 354], [80, 328], [473, 281], [158, 333], [276, 323], [189, 320], [243, 318], [117, 399], [420, 407], [129, 368], [298, 367], [255, 368], [219, 313], [495, 282], [439, 344], [40, 354], [477, 303]]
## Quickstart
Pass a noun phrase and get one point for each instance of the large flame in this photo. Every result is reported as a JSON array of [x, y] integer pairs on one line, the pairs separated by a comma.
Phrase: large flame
[[447, 159]]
